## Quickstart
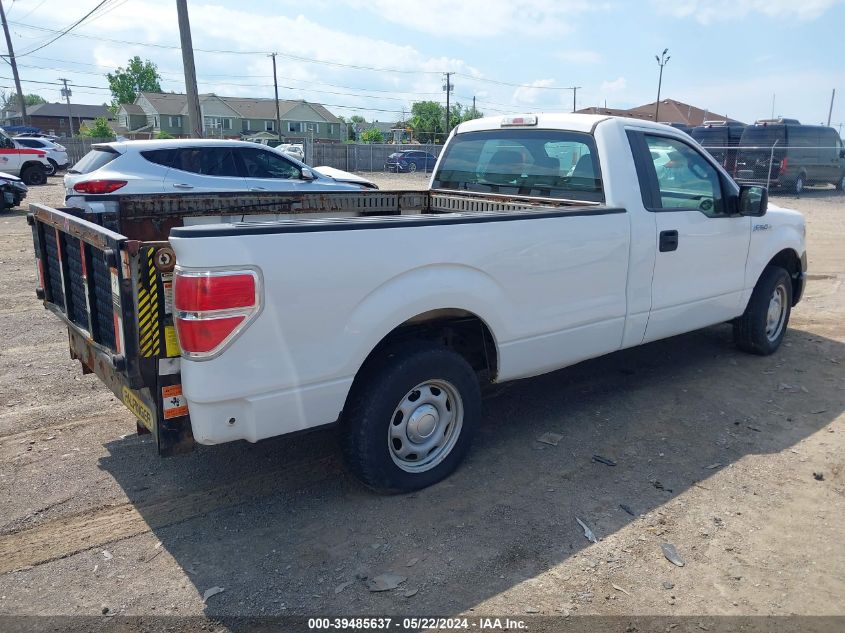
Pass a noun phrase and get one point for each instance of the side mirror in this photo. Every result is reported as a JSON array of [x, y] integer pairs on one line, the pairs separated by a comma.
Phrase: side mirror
[[842, 153], [753, 200], [307, 174]]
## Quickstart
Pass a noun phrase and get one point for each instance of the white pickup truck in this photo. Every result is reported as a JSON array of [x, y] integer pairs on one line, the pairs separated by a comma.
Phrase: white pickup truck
[[543, 240]]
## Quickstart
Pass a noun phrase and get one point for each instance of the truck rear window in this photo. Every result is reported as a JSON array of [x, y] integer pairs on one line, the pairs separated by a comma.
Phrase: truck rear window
[[542, 163]]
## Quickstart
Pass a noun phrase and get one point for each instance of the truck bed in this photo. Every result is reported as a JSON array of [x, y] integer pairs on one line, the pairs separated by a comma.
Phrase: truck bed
[[109, 275]]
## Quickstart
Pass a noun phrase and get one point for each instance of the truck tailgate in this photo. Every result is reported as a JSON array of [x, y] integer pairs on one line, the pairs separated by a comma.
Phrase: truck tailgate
[[113, 294]]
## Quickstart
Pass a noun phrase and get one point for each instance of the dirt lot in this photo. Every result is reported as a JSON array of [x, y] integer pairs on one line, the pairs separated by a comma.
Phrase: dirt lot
[[736, 460]]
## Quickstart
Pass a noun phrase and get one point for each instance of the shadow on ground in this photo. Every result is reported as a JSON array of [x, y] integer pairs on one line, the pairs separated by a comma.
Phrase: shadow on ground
[[294, 527]]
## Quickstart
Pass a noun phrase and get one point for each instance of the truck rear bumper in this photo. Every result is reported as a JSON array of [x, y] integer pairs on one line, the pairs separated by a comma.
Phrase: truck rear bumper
[[258, 417]]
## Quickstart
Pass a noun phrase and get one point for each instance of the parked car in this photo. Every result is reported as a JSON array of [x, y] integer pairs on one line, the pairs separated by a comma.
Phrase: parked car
[[293, 150], [12, 191], [410, 160], [783, 153], [193, 165], [30, 165], [387, 313], [56, 154], [720, 138]]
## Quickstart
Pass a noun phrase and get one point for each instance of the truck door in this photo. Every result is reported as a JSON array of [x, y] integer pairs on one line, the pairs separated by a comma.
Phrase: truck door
[[699, 268]]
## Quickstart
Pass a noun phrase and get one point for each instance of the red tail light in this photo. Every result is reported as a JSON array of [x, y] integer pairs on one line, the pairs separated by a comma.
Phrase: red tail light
[[99, 186], [212, 308], [783, 165]]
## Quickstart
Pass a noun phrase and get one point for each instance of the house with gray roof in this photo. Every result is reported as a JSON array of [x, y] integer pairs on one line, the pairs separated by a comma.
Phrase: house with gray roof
[[53, 117], [230, 117]]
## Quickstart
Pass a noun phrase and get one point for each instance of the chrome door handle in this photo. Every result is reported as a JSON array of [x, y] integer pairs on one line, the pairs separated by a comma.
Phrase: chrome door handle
[[258, 189], [182, 185]]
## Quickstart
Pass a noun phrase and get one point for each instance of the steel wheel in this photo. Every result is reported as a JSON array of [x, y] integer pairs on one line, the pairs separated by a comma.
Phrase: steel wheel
[[425, 426], [776, 315], [799, 185]]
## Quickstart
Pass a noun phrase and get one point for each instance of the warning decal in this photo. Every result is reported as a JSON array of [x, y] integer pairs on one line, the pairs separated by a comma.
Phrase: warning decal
[[173, 402]]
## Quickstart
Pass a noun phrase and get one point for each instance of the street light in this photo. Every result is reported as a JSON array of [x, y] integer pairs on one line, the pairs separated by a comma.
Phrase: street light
[[661, 61]]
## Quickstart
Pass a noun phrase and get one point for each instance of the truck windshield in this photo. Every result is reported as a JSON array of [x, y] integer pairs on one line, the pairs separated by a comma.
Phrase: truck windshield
[[542, 163]]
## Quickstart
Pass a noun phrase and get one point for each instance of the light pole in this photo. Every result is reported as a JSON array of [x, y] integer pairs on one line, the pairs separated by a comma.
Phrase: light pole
[[661, 61]]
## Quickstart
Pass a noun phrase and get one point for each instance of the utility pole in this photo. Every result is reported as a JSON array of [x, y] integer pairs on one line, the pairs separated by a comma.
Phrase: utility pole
[[448, 87], [14, 64], [276, 88], [773, 105], [474, 115], [661, 61], [66, 93], [830, 112], [574, 90], [194, 112]]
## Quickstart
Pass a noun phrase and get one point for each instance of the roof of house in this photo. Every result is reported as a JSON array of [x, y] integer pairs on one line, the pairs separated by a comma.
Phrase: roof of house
[[132, 108], [166, 102], [257, 108], [671, 111], [78, 111], [247, 108]]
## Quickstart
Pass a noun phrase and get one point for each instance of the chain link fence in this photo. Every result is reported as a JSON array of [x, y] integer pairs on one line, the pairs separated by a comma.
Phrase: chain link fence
[[363, 156], [784, 167]]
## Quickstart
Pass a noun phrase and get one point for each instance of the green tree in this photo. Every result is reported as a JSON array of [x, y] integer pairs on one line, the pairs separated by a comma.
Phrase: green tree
[[458, 114], [357, 118], [100, 129], [138, 76], [9, 100], [427, 120], [163, 134], [372, 135]]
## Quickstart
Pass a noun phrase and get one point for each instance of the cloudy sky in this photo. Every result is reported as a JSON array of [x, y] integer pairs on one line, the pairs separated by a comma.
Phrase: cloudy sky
[[376, 57]]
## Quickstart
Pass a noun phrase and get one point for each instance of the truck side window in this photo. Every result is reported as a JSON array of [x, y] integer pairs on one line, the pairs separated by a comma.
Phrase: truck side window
[[685, 179]]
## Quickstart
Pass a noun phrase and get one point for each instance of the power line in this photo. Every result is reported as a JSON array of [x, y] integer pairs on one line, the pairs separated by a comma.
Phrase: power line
[[69, 28]]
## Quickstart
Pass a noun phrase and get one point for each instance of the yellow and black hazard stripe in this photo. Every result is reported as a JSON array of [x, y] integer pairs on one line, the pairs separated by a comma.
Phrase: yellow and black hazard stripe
[[149, 320]]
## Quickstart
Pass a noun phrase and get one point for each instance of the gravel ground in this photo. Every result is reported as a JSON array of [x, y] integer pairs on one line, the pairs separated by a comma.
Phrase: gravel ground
[[735, 460]]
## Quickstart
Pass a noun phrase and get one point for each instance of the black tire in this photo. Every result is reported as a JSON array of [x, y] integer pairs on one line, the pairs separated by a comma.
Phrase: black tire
[[753, 330], [34, 175], [412, 167], [370, 415], [841, 184], [798, 187], [52, 168]]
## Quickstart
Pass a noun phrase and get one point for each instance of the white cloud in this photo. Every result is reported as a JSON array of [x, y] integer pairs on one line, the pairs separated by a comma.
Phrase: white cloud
[[617, 85], [708, 11], [482, 18], [528, 94], [579, 57]]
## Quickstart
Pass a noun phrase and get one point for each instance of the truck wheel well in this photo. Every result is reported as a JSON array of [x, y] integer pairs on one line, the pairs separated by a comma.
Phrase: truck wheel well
[[788, 260], [459, 330], [30, 163]]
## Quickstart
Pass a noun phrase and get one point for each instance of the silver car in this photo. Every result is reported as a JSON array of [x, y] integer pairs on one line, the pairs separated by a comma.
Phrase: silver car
[[111, 170]]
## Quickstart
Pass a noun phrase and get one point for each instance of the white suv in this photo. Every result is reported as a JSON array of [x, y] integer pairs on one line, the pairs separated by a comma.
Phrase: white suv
[[111, 170], [56, 154]]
